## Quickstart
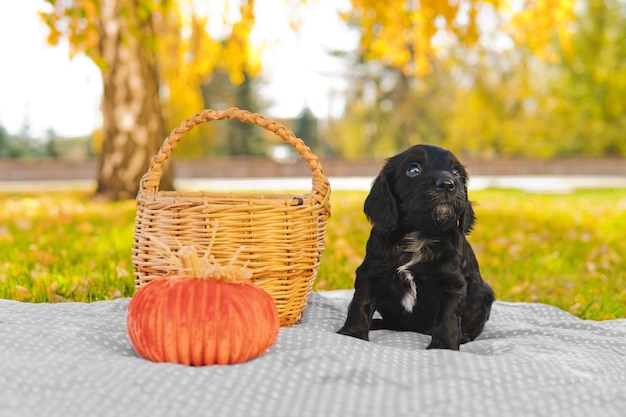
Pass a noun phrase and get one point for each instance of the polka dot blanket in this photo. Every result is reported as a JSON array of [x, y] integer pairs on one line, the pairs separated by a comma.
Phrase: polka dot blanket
[[75, 359]]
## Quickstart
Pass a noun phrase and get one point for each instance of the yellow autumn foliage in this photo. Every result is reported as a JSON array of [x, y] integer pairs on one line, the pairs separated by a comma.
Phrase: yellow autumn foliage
[[400, 33], [539, 22]]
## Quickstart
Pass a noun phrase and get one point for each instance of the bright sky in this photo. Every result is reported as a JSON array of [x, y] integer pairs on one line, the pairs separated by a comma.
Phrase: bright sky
[[41, 86]]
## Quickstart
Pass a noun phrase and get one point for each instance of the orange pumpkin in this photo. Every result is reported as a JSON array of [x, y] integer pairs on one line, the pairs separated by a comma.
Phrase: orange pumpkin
[[198, 321]]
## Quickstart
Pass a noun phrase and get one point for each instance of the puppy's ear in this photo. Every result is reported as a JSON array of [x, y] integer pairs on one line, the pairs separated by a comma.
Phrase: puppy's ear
[[468, 218], [380, 206]]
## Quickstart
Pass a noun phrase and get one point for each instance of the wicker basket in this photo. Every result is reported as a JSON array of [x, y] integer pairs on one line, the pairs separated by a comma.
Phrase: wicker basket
[[282, 235]]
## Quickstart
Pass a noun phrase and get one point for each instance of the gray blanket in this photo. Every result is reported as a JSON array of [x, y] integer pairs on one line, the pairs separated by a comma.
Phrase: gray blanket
[[74, 359]]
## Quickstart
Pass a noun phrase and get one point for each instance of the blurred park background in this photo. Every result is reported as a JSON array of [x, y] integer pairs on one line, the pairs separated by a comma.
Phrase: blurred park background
[[358, 80], [89, 89]]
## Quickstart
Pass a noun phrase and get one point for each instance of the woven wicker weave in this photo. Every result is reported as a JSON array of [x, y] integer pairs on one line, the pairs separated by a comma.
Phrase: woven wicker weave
[[282, 235]]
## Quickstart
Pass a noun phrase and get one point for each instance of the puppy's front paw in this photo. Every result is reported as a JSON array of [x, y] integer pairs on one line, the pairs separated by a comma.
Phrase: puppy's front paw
[[359, 334], [438, 343]]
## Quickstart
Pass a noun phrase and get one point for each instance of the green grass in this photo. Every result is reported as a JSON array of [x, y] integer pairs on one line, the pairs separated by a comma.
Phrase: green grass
[[565, 250], [61, 247]]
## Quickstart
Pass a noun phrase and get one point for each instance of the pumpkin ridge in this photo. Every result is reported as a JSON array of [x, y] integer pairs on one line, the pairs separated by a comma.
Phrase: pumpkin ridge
[[261, 328], [168, 300], [223, 323], [244, 351], [154, 320], [186, 298], [197, 338], [133, 327], [211, 333]]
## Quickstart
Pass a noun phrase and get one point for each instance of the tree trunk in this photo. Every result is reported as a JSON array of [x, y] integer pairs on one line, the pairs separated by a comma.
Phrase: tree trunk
[[133, 124]]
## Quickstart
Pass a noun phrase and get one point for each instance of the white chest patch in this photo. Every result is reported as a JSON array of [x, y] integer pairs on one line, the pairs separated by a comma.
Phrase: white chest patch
[[413, 251], [410, 298]]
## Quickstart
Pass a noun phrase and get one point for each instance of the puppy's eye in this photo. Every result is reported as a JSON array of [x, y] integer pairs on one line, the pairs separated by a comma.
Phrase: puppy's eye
[[414, 170]]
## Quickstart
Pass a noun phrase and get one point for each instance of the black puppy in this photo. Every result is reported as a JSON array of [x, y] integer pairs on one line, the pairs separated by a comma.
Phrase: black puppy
[[420, 272]]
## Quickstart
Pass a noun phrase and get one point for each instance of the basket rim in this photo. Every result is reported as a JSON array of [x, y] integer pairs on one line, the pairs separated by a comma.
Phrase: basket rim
[[224, 198], [150, 181]]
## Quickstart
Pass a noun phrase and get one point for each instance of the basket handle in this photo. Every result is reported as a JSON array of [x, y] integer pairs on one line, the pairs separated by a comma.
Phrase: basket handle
[[152, 178]]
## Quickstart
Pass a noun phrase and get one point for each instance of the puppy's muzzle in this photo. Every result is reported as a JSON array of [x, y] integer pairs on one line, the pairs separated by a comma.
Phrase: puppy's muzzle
[[444, 212]]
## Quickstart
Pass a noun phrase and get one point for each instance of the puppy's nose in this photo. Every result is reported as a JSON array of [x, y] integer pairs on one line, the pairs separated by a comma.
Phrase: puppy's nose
[[445, 184]]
